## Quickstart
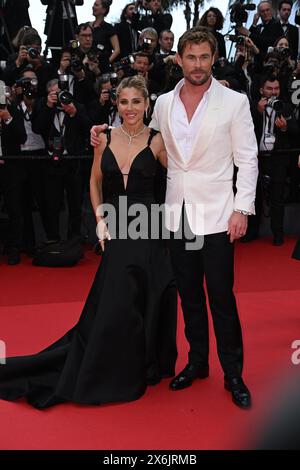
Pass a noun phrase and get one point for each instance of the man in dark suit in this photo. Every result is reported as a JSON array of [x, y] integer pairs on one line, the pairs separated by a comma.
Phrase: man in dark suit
[[12, 135], [64, 128], [63, 21], [290, 31], [264, 34], [275, 133], [15, 13]]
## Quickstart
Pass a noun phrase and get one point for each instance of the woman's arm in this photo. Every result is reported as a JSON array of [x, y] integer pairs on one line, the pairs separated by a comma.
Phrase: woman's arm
[[96, 192], [96, 179], [115, 46], [160, 150]]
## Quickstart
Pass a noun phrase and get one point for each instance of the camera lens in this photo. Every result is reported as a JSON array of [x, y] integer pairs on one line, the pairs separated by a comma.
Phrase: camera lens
[[65, 97], [33, 53]]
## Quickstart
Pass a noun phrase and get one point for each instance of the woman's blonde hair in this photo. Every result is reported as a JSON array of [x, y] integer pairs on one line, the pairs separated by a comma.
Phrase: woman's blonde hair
[[137, 81]]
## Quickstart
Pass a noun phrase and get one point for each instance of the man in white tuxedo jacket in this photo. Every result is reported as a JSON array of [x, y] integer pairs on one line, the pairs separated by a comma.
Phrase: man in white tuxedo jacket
[[207, 129]]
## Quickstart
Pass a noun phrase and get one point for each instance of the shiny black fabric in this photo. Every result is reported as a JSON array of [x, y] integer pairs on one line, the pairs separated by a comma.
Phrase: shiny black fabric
[[125, 337]]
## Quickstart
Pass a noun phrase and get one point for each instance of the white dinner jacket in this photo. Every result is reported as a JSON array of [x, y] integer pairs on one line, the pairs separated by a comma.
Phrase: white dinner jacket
[[204, 182]]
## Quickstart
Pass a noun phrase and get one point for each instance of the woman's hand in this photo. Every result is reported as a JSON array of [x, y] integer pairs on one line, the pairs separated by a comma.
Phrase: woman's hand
[[102, 232], [95, 134]]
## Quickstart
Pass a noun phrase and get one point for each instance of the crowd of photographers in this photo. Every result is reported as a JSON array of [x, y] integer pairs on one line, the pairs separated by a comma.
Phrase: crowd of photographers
[[47, 106]]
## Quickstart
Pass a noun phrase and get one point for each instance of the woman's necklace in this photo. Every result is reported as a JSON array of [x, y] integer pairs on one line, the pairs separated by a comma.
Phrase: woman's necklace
[[130, 137]]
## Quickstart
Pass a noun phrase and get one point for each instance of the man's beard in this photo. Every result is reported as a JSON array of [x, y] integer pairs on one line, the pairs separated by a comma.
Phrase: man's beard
[[199, 82]]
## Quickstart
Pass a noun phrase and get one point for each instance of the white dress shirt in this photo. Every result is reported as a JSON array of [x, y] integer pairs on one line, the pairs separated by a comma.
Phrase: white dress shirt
[[34, 141], [183, 130]]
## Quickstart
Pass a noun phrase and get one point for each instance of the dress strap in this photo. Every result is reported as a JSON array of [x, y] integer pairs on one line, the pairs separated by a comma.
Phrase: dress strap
[[108, 135], [153, 132]]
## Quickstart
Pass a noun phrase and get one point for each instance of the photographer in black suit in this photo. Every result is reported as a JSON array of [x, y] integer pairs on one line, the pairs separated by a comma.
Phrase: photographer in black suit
[[290, 31], [12, 135], [276, 129], [29, 55], [64, 126], [265, 33]]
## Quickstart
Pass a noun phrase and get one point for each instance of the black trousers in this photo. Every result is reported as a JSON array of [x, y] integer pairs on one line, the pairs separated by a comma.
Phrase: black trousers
[[276, 167], [214, 263], [21, 181], [60, 176]]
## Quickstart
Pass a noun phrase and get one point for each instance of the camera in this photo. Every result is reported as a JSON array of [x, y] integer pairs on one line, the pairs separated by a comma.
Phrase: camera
[[238, 12], [238, 38], [146, 45], [76, 63], [276, 104], [124, 63], [28, 85], [33, 53], [94, 55], [112, 94], [64, 97], [284, 52], [114, 83], [63, 82]]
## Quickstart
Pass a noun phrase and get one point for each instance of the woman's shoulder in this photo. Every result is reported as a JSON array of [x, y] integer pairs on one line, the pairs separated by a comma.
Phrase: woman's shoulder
[[155, 138]]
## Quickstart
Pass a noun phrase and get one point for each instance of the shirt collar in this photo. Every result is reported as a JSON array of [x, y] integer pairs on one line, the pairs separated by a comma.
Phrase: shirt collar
[[181, 83]]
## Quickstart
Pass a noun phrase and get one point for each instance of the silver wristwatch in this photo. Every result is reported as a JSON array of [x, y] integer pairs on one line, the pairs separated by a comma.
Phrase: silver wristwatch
[[242, 212]]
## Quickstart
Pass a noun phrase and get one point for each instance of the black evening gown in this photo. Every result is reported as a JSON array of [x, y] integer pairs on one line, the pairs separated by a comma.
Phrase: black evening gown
[[125, 338]]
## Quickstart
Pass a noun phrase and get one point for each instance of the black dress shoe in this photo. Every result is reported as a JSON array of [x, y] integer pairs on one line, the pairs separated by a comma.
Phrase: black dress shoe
[[278, 239], [188, 375], [240, 393], [13, 257]]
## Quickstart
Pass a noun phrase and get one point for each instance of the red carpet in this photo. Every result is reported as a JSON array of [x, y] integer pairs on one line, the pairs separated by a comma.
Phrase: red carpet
[[37, 305]]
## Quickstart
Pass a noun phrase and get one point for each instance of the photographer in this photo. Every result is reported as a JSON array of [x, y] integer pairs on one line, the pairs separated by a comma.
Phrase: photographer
[[30, 170], [148, 42], [12, 135], [276, 130], [264, 34], [104, 109], [154, 16], [64, 126], [288, 30], [86, 58], [165, 56], [78, 80], [141, 66], [62, 15], [244, 62], [29, 55]]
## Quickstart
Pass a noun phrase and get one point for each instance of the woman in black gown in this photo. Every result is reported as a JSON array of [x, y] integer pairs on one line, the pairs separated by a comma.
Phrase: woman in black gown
[[125, 336]]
